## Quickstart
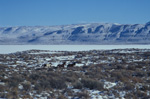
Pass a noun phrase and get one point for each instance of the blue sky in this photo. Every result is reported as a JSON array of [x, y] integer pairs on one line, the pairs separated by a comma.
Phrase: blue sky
[[62, 12]]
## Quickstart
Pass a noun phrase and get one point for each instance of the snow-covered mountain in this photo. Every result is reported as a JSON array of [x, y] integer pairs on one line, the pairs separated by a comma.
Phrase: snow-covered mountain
[[93, 33]]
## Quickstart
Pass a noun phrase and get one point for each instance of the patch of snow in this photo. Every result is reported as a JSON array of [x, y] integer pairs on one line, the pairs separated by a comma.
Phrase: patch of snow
[[96, 94], [20, 86], [5, 77], [47, 59], [14, 48], [55, 64], [122, 94], [2, 83], [79, 64], [148, 93], [108, 85], [65, 57], [76, 90]]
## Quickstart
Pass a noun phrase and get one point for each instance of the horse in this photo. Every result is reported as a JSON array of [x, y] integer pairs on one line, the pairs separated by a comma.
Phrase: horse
[[61, 65], [47, 65], [71, 65]]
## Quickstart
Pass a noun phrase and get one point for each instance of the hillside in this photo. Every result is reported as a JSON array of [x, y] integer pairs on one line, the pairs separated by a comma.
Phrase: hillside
[[93, 33]]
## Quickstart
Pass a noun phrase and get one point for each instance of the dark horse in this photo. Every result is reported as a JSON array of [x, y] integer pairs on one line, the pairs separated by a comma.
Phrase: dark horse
[[71, 65], [61, 65]]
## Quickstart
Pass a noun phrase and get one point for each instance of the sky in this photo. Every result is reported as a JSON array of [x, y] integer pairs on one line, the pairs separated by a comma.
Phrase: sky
[[63, 12]]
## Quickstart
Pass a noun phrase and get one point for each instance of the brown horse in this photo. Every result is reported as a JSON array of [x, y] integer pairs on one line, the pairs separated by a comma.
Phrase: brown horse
[[61, 65]]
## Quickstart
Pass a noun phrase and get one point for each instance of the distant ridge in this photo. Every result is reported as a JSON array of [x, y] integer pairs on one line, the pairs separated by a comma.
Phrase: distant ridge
[[90, 33]]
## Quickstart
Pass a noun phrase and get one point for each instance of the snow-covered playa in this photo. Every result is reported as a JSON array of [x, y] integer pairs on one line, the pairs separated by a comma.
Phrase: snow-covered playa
[[4, 49]]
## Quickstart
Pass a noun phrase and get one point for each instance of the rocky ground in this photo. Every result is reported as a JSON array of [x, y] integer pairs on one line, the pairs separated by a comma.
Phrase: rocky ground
[[95, 74]]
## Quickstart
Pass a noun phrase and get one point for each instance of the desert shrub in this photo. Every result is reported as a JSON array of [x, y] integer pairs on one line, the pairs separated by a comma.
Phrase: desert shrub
[[91, 74], [139, 74], [17, 78], [118, 76], [58, 83], [146, 97], [9, 96], [130, 96], [92, 84], [44, 84], [148, 73], [38, 88], [46, 80], [119, 67], [13, 94], [3, 95], [130, 67], [136, 79], [139, 94], [14, 81], [2, 88], [148, 81], [27, 96], [129, 86], [53, 74], [85, 67], [26, 86], [83, 95], [13, 84], [70, 79], [34, 76], [139, 66], [2, 67], [62, 97], [145, 88], [78, 85], [72, 74]]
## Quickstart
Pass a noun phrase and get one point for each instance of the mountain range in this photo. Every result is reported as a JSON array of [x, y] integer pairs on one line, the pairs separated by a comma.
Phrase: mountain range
[[91, 33]]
